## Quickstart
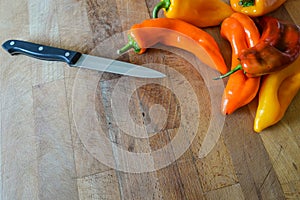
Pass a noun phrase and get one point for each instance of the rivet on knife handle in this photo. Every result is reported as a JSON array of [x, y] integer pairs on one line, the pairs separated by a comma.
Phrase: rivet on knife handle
[[42, 52]]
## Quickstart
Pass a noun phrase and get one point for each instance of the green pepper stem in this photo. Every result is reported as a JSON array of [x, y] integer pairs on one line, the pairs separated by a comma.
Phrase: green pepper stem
[[132, 44], [163, 4], [238, 67], [246, 3], [125, 48]]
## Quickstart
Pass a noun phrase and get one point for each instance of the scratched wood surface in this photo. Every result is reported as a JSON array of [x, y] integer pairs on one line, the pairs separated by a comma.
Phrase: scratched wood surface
[[79, 134]]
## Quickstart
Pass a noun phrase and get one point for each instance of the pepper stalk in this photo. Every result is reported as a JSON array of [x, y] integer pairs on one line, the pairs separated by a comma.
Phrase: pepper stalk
[[238, 67], [163, 4], [246, 3], [132, 44]]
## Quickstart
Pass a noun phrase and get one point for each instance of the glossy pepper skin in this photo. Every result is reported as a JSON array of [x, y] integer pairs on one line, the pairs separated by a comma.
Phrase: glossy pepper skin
[[275, 95], [201, 13], [176, 33], [278, 47], [255, 8], [241, 32]]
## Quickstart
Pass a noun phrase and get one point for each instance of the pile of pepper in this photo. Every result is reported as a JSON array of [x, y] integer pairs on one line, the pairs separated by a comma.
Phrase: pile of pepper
[[265, 50]]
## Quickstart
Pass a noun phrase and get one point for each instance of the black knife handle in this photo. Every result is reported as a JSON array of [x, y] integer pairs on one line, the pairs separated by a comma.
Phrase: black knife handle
[[40, 51]]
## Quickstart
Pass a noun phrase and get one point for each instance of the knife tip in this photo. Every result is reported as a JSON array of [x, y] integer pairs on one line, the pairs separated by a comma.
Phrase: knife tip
[[158, 75]]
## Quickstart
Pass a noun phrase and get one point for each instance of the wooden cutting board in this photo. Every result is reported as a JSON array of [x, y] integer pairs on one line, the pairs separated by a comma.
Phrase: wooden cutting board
[[79, 134]]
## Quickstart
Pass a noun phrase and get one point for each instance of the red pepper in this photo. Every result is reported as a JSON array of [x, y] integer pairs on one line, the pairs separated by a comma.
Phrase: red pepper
[[278, 47]]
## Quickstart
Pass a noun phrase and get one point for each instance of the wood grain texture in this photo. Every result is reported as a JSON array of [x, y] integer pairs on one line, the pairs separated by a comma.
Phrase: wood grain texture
[[55, 163], [78, 134]]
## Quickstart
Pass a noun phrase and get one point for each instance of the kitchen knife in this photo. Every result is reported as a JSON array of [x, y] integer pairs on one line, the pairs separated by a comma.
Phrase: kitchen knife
[[77, 59]]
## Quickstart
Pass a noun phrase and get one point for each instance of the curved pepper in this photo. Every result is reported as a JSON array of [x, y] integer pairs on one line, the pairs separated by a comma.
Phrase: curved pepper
[[278, 47], [275, 95], [176, 33], [201, 13], [242, 33], [250, 29], [255, 8]]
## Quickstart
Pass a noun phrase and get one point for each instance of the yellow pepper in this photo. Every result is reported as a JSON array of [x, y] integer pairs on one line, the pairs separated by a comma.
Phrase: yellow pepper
[[201, 13], [255, 8], [276, 93]]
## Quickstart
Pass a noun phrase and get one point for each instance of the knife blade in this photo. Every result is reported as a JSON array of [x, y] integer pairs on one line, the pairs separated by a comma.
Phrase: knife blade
[[77, 59]]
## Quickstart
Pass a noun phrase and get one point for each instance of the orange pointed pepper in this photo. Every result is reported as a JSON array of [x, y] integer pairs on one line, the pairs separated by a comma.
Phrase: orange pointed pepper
[[255, 8], [201, 13], [176, 33], [242, 33], [250, 28]]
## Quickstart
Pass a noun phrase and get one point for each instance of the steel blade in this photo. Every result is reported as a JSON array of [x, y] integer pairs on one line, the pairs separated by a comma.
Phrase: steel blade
[[117, 67]]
